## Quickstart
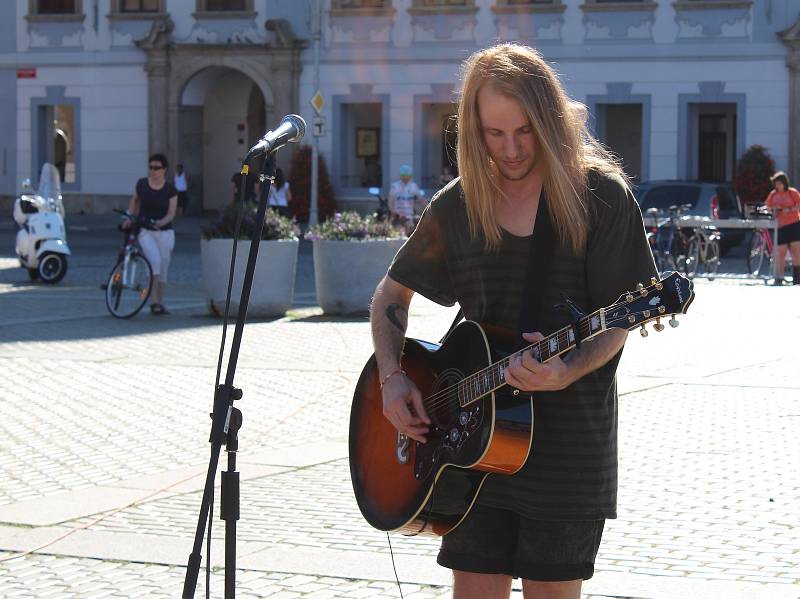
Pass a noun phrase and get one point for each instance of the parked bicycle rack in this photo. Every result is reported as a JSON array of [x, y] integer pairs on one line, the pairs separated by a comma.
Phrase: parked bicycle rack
[[692, 222]]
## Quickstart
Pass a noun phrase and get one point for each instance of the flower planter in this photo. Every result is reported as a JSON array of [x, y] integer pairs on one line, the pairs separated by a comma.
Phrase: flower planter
[[273, 280], [347, 272]]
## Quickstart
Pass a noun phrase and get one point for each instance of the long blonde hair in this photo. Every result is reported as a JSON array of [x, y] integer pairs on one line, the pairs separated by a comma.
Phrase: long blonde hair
[[564, 144]]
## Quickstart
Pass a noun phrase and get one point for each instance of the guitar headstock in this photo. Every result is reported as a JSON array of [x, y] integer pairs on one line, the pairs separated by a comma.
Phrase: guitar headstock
[[671, 295]]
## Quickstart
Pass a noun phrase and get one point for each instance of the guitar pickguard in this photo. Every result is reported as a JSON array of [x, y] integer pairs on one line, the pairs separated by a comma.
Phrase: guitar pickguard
[[451, 428]]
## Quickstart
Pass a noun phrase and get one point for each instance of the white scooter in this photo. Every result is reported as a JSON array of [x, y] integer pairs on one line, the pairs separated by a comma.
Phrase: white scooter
[[42, 241]]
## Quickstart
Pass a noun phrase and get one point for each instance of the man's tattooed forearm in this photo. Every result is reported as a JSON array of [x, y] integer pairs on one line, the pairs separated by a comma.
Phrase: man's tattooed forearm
[[392, 314]]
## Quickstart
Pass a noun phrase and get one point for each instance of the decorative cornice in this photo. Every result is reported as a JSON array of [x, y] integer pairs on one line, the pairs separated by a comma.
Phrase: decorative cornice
[[284, 34], [160, 35]]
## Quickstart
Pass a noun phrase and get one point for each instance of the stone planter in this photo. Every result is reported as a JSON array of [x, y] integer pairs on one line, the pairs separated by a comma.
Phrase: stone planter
[[273, 280], [347, 272]]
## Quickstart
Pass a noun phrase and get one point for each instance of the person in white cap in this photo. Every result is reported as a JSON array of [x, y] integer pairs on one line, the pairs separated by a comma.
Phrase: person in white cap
[[406, 199]]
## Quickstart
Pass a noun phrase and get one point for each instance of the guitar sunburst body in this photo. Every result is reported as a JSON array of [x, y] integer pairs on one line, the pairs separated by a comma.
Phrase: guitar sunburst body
[[429, 488]]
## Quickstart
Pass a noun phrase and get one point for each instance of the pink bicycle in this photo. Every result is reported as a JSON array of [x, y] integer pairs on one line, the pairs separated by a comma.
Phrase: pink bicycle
[[762, 247]]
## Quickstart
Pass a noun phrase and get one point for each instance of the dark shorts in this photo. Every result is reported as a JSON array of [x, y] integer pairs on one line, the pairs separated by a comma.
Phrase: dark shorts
[[496, 541], [789, 233]]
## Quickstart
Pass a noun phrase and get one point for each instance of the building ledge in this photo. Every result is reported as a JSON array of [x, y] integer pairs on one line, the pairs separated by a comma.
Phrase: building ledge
[[620, 7], [362, 12], [711, 4], [442, 10], [63, 18], [224, 14], [505, 9], [137, 16]]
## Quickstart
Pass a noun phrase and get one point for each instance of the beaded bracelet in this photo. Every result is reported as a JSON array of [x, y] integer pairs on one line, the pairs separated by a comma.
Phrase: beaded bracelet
[[390, 375]]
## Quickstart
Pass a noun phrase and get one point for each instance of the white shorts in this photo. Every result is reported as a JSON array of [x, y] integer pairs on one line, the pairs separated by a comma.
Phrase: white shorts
[[157, 247]]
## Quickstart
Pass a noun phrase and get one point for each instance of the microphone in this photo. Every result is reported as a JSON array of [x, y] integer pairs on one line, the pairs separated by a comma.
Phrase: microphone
[[291, 129]]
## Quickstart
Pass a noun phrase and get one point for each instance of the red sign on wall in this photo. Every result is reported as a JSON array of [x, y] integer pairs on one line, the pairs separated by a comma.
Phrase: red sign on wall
[[26, 73]]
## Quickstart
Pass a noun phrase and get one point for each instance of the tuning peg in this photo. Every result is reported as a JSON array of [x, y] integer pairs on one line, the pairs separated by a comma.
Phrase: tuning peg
[[673, 322], [658, 326], [656, 283], [643, 331], [640, 288], [629, 298]]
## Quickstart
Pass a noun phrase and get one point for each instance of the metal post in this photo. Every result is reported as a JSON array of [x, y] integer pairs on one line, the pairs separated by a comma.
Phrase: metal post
[[316, 26]]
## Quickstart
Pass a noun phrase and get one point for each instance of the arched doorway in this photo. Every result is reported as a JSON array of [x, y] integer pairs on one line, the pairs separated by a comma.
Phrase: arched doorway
[[222, 113]]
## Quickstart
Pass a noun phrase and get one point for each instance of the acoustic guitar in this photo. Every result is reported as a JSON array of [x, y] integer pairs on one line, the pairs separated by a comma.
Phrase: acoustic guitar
[[479, 426]]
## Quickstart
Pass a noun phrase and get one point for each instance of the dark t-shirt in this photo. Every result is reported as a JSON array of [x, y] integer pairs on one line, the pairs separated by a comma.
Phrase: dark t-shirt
[[571, 472], [154, 203]]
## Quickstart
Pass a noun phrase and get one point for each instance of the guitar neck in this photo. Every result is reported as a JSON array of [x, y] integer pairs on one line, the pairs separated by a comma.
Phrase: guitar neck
[[491, 378]]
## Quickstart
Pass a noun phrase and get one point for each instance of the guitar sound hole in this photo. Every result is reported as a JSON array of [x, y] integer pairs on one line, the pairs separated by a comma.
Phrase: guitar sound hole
[[443, 405]]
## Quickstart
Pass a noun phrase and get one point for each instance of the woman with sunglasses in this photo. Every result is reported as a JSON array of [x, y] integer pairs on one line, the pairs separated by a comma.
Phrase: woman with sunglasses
[[154, 204]]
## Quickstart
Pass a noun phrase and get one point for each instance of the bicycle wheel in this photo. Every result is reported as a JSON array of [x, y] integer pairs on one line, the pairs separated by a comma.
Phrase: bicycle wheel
[[756, 253], [712, 260], [129, 286], [693, 257]]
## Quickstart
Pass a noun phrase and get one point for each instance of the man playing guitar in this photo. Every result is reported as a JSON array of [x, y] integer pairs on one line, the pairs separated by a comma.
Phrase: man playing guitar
[[524, 152]]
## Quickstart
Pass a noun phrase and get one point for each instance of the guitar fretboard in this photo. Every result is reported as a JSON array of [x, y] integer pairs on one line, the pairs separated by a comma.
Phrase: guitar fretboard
[[492, 377]]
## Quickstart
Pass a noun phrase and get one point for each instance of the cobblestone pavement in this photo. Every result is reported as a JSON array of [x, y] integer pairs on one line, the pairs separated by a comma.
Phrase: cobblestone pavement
[[105, 427]]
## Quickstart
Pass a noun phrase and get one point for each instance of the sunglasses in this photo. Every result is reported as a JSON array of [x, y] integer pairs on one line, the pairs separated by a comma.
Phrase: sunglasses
[[155, 168]]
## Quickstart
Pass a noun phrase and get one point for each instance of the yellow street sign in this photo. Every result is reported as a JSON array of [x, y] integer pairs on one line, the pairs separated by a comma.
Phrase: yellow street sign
[[317, 103]]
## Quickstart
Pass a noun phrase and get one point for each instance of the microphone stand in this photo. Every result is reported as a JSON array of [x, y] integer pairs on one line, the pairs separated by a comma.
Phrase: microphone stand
[[226, 421]]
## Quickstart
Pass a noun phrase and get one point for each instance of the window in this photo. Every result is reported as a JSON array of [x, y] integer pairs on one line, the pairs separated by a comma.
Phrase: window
[[55, 8], [134, 6], [223, 5], [520, 6], [360, 4], [424, 7], [224, 9], [435, 3]]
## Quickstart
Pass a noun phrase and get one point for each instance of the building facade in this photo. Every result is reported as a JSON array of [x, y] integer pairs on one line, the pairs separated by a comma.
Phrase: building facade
[[678, 88]]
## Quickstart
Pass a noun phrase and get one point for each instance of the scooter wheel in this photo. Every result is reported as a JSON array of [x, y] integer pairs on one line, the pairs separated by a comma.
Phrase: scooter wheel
[[52, 267]]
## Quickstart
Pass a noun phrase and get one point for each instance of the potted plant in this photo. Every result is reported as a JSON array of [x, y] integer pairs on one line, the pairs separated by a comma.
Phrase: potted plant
[[351, 255], [273, 281]]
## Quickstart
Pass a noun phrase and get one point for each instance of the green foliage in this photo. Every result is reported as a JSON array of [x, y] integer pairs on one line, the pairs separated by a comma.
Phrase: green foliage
[[347, 226], [753, 171], [275, 225], [300, 185]]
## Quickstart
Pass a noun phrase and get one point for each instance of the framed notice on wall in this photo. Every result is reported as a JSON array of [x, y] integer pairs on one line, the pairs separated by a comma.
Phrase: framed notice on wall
[[367, 141]]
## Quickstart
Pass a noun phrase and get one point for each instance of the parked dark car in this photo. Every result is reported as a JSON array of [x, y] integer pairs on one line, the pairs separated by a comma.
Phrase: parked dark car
[[714, 200]]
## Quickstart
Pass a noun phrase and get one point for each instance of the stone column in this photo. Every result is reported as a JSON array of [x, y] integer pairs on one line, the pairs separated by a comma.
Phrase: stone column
[[157, 45], [791, 39], [157, 69]]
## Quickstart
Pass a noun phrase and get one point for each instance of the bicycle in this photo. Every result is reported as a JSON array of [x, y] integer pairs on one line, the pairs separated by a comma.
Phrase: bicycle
[[131, 280], [761, 250], [667, 240], [703, 251]]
